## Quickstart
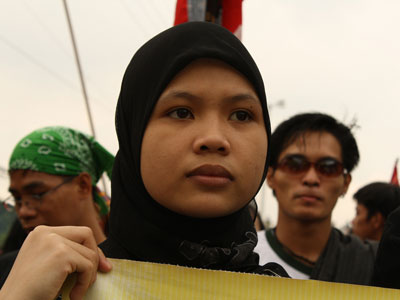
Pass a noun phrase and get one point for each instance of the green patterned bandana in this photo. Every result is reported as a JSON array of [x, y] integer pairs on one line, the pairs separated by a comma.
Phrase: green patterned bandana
[[63, 151]]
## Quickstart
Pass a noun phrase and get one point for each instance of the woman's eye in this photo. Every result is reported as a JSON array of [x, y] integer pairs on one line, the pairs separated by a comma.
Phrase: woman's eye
[[241, 115], [181, 113]]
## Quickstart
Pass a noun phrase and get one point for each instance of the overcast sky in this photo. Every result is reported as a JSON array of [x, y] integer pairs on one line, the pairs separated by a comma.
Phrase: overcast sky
[[339, 57]]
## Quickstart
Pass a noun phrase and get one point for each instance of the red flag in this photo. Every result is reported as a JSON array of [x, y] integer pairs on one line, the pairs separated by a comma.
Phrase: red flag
[[395, 179], [227, 13], [232, 16], [181, 12]]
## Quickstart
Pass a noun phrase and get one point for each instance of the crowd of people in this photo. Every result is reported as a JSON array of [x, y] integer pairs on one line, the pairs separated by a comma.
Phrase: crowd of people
[[195, 147]]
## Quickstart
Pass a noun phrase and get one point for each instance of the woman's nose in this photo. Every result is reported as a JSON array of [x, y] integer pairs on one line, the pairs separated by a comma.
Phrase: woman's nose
[[212, 139]]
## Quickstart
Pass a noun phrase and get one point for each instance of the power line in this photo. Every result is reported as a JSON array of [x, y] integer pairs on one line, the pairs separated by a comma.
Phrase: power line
[[133, 17], [159, 9], [47, 30], [37, 63], [169, 21], [42, 66], [60, 45], [150, 15]]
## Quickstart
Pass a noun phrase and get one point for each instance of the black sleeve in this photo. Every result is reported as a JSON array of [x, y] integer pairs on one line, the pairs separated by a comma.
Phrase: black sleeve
[[387, 263], [6, 263]]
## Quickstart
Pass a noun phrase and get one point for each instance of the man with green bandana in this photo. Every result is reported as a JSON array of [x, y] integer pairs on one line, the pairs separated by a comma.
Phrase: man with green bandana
[[53, 175]]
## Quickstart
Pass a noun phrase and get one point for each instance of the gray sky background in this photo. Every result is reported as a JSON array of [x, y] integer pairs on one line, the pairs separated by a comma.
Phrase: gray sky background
[[339, 57]]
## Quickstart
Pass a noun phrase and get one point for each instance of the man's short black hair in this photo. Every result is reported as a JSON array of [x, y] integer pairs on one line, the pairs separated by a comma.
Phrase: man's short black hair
[[299, 125], [379, 197]]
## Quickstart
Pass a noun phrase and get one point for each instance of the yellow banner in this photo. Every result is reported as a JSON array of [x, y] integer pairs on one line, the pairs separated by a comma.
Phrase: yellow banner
[[141, 280]]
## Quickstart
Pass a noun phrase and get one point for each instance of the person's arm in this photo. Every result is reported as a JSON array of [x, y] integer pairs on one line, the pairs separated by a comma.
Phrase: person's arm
[[387, 263], [47, 257]]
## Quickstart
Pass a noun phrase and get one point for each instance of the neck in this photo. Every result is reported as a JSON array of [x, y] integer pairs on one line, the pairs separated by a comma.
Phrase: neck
[[92, 220], [377, 235], [97, 231], [303, 238]]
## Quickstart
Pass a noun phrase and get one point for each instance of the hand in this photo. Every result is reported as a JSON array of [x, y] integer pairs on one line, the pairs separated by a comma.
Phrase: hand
[[48, 256]]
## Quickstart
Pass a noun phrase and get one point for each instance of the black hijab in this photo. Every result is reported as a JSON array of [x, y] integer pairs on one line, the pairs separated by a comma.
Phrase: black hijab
[[140, 228]]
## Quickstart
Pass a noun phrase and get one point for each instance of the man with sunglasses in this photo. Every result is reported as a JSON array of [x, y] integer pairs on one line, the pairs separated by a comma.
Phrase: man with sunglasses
[[311, 160], [53, 175]]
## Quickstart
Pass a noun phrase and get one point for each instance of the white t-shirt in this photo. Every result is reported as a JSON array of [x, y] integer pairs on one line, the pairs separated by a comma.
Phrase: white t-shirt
[[267, 254]]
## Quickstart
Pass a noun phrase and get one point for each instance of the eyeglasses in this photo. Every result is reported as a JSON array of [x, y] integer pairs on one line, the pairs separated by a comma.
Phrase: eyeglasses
[[298, 164], [32, 201]]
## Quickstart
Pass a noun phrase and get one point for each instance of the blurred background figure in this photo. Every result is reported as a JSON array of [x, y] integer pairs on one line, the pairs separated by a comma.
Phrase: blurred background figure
[[53, 175], [375, 202]]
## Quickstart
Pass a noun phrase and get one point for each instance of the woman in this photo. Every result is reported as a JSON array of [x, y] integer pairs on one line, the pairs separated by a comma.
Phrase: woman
[[193, 131]]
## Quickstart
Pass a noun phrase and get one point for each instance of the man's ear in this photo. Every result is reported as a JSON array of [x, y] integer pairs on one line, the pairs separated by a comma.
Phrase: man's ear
[[377, 220], [84, 181], [270, 176], [347, 180]]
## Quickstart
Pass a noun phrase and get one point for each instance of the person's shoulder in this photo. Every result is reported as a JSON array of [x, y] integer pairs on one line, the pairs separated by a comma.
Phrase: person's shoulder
[[354, 243], [6, 263], [261, 236], [263, 243]]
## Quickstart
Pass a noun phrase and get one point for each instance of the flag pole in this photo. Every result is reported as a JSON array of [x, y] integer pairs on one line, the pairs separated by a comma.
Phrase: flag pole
[[81, 78], [78, 64]]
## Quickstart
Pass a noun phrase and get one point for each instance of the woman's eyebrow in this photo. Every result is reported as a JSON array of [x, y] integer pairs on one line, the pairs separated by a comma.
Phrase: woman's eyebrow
[[179, 94], [244, 96], [189, 96]]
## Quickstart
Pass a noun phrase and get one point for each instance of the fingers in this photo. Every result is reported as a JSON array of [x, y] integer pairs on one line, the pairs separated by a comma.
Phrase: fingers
[[87, 270], [52, 253], [83, 260], [85, 278], [78, 234], [104, 264]]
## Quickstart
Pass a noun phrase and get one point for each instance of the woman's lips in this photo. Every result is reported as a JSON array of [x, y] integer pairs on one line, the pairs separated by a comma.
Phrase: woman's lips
[[211, 175]]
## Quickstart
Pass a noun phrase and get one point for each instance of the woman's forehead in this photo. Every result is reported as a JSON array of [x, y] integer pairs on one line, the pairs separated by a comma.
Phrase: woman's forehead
[[200, 69], [206, 63]]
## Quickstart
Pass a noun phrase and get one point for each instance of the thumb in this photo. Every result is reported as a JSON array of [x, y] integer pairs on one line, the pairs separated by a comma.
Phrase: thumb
[[104, 264]]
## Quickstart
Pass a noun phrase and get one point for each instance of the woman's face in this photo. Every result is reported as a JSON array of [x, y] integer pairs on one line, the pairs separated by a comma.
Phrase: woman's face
[[204, 148]]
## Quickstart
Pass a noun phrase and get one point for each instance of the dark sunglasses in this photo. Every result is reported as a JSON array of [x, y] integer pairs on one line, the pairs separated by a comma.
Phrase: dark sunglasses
[[298, 164]]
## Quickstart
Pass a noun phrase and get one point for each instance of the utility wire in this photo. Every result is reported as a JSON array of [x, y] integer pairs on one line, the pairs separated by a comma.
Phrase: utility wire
[[37, 63], [159, 10], [49, 32], [42, 66], [150, 15], [133, 17], [57, 41], [169, 21]]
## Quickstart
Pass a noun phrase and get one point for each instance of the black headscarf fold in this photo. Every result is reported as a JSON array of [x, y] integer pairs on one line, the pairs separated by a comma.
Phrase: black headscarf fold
[[140, 228]]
